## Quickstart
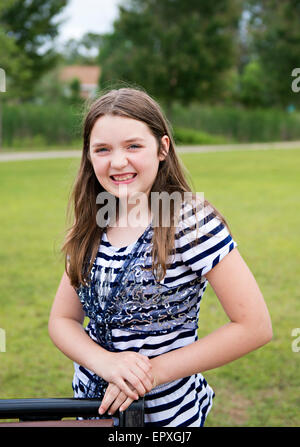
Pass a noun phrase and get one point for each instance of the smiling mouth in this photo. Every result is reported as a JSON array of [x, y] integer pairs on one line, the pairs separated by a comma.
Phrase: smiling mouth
[[123, 178]]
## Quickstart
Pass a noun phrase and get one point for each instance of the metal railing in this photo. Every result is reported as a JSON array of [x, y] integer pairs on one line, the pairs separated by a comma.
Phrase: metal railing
[[55, 409]]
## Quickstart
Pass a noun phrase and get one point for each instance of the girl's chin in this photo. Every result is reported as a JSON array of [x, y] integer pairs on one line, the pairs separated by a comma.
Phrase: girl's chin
[[123, 192], [132, 199]]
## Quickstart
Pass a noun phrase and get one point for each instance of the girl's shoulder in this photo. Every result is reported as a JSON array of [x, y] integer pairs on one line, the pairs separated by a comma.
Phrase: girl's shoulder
[[200, 221], [195, 212], [203, 237]]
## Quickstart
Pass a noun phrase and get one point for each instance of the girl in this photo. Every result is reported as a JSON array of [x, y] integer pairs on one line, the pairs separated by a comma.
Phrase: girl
[[141, 285]]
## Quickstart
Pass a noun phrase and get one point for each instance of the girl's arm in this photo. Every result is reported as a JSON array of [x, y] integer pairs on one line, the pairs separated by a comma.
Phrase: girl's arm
[[249, 326], [68, 334]]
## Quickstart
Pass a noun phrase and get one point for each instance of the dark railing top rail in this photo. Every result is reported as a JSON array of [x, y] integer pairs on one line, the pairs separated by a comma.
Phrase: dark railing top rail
[[58, 408]]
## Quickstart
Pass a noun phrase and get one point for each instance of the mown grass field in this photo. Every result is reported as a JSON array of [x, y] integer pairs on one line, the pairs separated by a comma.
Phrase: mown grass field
[[257, 192]]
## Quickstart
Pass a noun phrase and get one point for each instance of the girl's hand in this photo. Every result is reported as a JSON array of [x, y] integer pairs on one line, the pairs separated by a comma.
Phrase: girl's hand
[[128, 368], [115, 399]]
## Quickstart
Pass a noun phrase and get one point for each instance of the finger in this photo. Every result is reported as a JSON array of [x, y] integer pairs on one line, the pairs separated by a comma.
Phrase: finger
[[110, 395], [146, 367], [146, 378], [146, 361], [130, 391], [126, 404], [117, 403], [134, 377]]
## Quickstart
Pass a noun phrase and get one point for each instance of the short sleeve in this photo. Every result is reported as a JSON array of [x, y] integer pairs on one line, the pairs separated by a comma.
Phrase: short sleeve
[[202, 251]]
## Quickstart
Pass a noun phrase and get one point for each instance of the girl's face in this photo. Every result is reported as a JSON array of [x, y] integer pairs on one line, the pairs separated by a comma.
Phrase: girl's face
[[124, 155]]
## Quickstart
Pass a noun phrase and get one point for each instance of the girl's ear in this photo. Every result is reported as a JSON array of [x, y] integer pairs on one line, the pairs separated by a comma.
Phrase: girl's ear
[[164, 149], [88, 154]]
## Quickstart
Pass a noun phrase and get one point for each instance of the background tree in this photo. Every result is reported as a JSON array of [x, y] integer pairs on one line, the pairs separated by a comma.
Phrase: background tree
[[27, 30], [275, 32], [176, 50], [10, 58], [252, 91], [83, 51]]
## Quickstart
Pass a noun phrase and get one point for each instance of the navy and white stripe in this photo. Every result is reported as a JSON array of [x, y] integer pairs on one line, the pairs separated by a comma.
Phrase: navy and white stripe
[[184, 402]]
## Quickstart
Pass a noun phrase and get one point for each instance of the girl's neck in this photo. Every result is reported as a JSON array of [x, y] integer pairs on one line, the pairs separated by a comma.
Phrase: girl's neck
[[132, 215]]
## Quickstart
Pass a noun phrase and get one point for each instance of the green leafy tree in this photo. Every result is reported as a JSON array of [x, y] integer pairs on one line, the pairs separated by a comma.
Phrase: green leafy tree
[[27, 30], [74, 86], [84, 51], [275, 32], [176, 50], [11, 60], [252, 86]]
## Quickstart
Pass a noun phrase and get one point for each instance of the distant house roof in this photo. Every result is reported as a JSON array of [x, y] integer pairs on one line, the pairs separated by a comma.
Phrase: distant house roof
[[88, 76]]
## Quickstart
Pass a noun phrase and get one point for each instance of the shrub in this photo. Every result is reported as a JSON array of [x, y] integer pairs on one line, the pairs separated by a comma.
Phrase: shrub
[[192, 136]]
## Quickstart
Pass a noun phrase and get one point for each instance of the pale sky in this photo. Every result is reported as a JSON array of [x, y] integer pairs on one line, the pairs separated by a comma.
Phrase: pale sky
[[84, 16]]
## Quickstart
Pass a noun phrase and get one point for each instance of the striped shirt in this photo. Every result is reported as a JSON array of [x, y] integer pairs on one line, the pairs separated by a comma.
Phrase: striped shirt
[[184, 402]]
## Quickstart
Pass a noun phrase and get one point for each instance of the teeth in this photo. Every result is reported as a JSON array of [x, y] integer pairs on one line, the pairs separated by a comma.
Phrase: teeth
[[127, 177]]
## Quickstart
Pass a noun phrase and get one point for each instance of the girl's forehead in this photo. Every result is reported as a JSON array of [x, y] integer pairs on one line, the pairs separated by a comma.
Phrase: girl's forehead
[[110, 126]]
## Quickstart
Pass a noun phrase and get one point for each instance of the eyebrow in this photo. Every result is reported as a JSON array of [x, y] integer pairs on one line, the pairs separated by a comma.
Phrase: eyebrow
[[125, 141]]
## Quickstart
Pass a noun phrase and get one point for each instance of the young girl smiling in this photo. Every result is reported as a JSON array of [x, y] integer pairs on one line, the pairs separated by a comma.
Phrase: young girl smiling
[[141, 285]]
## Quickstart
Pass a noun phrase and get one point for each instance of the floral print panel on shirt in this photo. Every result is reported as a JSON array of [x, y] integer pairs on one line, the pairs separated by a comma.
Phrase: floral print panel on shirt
[[135, 300]]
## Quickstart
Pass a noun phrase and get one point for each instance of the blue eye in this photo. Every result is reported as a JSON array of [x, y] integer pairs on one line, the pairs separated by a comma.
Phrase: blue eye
[[104, 149], [134, 146]]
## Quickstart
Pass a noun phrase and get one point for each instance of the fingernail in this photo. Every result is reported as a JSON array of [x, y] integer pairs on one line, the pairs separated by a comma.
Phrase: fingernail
[[101, 411]]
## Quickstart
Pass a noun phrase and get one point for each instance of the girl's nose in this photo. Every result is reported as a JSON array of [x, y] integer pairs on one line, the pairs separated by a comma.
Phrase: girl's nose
[[118, 160]]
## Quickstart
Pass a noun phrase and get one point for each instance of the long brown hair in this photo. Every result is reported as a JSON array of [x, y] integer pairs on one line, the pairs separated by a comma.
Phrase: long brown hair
[[83, 238]]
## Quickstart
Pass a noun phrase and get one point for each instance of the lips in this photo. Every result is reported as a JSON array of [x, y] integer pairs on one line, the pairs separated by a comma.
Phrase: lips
[[124, 178], [127, 176]]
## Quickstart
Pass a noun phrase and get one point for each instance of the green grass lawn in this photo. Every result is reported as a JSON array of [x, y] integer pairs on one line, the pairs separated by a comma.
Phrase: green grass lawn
[[257, 192]]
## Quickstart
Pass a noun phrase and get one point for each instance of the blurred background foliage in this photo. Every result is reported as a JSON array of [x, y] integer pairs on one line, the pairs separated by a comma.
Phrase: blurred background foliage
[[221, 70]]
